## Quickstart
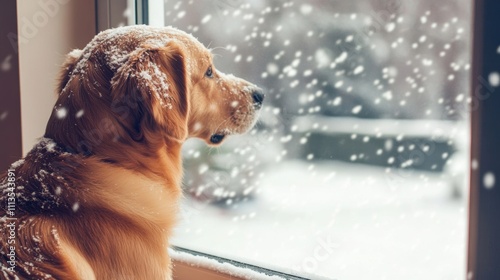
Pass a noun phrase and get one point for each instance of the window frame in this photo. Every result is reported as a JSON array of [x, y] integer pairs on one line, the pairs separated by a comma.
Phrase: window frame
[[187, 268], [109, 13], [484, 202]]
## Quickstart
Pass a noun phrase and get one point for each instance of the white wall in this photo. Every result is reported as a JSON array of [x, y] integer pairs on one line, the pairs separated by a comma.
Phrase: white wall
[[48, 30]]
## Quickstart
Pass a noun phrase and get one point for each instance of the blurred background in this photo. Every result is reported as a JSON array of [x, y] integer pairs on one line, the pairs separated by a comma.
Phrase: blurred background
[[357, 167]]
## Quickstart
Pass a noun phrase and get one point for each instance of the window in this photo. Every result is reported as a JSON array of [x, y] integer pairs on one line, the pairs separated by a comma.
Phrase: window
[[360, 155], [437, 204]]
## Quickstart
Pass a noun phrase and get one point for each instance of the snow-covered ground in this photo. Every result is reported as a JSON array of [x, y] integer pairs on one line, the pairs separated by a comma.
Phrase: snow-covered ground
[[340, 221]]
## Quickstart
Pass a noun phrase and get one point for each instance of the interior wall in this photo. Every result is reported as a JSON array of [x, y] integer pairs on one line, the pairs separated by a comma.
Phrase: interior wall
[[10, 110], [48, 30]]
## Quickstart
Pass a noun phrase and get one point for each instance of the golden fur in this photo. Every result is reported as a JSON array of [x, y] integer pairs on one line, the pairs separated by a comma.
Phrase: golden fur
[[97, 197]]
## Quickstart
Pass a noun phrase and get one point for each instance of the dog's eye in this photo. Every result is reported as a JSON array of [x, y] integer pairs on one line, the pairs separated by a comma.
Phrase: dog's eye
[[209, 72]]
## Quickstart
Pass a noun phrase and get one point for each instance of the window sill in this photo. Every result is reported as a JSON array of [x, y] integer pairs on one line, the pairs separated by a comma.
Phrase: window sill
[[188, 265]]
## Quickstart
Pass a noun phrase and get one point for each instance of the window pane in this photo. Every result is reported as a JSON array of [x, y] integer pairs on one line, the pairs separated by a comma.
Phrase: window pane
[[357, 167]]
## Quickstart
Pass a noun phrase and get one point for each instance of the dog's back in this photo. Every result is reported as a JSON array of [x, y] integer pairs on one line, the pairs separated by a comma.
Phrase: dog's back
[[31, 202], [63, 219]]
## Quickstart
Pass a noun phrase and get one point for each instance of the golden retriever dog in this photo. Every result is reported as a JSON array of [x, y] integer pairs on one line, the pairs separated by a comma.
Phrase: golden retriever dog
[[97, 197]]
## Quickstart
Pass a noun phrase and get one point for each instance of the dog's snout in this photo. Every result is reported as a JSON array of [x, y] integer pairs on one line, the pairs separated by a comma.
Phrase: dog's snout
[[258, 98]]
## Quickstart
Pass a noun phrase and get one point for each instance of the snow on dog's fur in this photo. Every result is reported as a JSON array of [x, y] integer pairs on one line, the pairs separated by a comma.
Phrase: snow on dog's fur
[[97, 197]]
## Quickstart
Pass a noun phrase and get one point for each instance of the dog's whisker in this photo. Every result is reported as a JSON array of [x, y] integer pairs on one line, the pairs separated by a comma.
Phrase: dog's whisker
[[222, 123], [217, 48]]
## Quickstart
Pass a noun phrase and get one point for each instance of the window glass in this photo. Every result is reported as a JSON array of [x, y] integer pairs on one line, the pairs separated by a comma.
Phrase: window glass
[[357, 166]]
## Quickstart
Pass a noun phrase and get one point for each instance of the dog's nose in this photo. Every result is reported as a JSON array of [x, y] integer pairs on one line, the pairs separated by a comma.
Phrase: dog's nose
[[258, 97]]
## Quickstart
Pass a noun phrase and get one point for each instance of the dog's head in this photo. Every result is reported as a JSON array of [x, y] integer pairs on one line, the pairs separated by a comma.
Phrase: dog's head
[[147, 85], [220, 104]]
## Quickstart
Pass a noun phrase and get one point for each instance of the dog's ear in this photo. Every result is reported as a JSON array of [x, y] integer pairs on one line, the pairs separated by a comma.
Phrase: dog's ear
[[67, 68], [152, 87]]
